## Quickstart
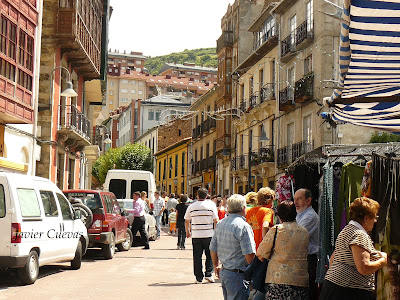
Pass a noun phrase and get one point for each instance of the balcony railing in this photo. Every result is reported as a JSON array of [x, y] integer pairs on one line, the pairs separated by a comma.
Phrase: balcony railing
[[210, 162], [267, 92], [303, 147], [263, 155], [225, 40], [283, 157], [233, 164], [288, 45], [206, 125], [243, 106], [286, 98], [213, 123], [253, 100], [73, 123], [304, 89], [303, 32]]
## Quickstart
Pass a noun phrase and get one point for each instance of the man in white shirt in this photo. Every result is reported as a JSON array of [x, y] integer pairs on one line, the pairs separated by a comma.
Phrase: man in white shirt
[[200, 219], [158, 209]]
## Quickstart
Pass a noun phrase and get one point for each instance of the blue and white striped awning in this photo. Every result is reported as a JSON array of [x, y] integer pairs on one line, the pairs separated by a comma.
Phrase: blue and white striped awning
[[369, 64]]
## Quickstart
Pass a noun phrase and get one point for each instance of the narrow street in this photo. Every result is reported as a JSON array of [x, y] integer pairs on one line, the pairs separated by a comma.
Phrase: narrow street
[[159, 273]]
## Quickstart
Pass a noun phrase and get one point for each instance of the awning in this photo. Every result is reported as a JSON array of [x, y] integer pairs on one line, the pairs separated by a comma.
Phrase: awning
[[369, 65]]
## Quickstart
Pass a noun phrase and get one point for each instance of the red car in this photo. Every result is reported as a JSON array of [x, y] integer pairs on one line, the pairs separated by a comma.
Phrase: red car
[[107, 225]]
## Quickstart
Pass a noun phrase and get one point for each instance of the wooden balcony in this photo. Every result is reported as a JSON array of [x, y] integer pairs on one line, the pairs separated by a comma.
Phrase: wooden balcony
[[304, 89], [73, 127], [286, 99], [80, 37], [304, 35]]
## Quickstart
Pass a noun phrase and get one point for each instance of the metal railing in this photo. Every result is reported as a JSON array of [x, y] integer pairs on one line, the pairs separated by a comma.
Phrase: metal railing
[[288, 44], [262, 155], [70, 117], [282, 157], [304, 87], [300, 148], [286, 97], [267, 92], [302, 32]]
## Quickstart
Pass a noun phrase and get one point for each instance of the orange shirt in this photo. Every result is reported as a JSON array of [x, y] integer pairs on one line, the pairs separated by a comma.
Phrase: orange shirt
[[256, 216]]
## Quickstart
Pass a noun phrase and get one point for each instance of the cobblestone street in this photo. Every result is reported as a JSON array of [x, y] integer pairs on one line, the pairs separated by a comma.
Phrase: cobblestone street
[[159, 273]]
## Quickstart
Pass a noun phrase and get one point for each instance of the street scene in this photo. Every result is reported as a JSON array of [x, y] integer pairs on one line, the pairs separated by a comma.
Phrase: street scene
[[214, 149]]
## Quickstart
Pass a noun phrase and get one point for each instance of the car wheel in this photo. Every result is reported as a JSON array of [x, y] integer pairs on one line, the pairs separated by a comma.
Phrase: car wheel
[[86, 214], [109, 249], [29, 273], [126, 245], [77, 261]]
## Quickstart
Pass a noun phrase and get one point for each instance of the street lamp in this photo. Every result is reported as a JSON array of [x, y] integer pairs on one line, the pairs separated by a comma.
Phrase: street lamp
[[262, 137], [68, 92], [107, 140], [225, 152]]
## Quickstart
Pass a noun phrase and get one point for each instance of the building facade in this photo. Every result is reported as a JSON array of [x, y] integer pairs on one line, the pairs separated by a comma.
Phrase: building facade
[[190, 70], [121, 63]]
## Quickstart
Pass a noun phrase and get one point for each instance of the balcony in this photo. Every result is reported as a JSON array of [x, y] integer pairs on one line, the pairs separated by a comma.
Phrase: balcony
[[304, 35], [79, 30], [253, 100], [286, 99], [288, 48], [267, 92], [263, 155], [233, 164], [283, 157], [206, 126], [213, 123], [243, 106], [73, 126], [210, 162], [239, 162], [303, 147], [304, 89], [225, 40]]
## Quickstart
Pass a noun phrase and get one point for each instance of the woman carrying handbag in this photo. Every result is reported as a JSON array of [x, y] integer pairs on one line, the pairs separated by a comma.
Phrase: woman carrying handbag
[[287, 275]]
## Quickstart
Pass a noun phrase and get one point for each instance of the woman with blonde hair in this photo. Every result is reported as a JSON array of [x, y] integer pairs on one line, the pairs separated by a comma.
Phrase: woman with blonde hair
[[251, 199], [261, 217], [143, 195], [355, 260]]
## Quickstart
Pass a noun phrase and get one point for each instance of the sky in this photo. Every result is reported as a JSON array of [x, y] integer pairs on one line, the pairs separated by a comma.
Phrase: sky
[[158, 27]]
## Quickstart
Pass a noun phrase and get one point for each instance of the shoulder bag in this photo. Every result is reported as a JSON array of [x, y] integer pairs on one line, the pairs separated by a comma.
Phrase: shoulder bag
[[257, 269]]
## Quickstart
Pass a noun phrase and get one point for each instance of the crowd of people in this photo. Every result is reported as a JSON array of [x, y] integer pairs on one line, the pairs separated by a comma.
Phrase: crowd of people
[[232, 232]]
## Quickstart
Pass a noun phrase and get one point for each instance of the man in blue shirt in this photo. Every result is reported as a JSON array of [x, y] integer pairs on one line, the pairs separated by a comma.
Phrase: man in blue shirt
[[308, 218], [233, 245]]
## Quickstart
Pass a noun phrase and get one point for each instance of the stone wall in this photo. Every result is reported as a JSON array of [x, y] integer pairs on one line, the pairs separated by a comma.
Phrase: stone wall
[[173, 132]]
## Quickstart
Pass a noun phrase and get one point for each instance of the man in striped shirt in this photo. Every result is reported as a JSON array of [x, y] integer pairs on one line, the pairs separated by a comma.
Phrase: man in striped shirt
[[201, 218]]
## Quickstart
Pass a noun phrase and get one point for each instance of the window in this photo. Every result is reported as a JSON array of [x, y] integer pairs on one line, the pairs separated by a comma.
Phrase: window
[[183, 164], [159, 171], [290, 77], [124, 80], [290, 134], [24, 80], [261, 78], [8, 39], [49, 203], [176, 165], [111, 83], [292, 27], [158, 115], [118, 187], [124, 100], [140, 83], [110, 70], [133, 82], [139, 62], [170, 167], [2, 202], [65, 207], [111, 93], [307, 129], [165, 168], [309, 15], [28, 203], [242, 92], [124, 91], [251, 86], [308, 67], [140, 92], [25, 52], [138, 69], [133, 91], [110, 102], [151, 114]]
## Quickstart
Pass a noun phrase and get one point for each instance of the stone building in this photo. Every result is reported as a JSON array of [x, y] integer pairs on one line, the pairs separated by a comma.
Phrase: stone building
[[73, 52], [190, 70]]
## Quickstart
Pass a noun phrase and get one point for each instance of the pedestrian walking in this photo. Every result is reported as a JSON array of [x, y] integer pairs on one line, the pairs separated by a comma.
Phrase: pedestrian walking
[[172, 221], [354, 262], [165, 211], [158, 209], [308, 218], [139, 221], [287, 275], [232, 249], [180, 220], [201, 218]]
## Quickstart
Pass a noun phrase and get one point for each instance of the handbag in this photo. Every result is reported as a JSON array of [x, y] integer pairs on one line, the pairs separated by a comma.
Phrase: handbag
[[257, 270]]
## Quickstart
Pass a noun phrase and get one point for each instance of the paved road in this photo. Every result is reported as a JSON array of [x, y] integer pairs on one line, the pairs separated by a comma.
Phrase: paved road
[[159, 273]]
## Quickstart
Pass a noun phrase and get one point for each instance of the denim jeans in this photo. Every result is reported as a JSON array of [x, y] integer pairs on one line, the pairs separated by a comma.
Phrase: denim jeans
[[158, 225], [232, 285], [201, 245]]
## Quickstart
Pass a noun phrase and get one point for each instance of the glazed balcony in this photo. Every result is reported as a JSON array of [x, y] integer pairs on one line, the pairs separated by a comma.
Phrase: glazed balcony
[[286, 99], [79, 29], [225, 40], [73, 127], [304, 35], [288, 48], [304, 89]]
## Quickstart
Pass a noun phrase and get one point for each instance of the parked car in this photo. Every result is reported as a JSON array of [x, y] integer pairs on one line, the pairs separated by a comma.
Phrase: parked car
[[124, 182], [37, 226], [127, 205], [109, 228]]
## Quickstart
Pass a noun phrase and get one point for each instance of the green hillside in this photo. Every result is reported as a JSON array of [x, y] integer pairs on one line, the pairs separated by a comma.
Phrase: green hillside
[[202, 56]]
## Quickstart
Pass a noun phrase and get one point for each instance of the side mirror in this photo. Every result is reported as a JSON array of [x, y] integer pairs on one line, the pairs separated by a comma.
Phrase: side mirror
[[77, 214]]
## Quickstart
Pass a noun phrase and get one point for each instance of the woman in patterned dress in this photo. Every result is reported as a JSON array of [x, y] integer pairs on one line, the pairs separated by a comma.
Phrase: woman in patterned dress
[[355, 260]]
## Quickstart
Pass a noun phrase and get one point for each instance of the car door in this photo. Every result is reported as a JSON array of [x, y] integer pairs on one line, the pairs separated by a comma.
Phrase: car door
[[119, 220], [109, 213], [5, 218], [69, 240]]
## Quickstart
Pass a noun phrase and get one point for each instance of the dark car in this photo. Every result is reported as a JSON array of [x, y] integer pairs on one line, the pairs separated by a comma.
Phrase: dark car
[[106, 222]]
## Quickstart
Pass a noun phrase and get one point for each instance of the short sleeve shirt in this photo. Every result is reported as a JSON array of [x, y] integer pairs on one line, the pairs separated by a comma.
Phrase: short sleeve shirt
[[256, 217], [343, 270], [202, 215]]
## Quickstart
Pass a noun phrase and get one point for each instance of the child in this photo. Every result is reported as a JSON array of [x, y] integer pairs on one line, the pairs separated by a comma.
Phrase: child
[[172, 221]]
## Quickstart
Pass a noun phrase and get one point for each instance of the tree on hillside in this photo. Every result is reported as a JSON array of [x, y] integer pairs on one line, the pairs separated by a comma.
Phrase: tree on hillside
[[129, 157]]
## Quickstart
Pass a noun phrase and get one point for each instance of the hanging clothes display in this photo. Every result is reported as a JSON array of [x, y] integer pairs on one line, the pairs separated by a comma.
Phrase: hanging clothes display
[[326, 223], [307, 176], [337, 174], [366, 181], [284, 188], [386, 190], [349, 189]]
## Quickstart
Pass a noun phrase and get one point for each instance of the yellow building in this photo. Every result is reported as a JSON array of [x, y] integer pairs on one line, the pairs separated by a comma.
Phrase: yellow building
[[171, 166]]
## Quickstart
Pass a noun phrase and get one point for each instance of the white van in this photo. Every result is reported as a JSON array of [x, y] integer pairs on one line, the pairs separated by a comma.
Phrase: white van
[[124, 182], [37, 226]]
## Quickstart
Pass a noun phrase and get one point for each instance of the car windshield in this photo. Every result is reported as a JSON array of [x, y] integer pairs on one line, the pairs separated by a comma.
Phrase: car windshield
[[91, 200], [127, 205]]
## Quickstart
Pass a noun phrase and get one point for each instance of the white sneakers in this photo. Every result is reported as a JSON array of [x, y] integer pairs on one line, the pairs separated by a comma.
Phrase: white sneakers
[[210, 279]]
